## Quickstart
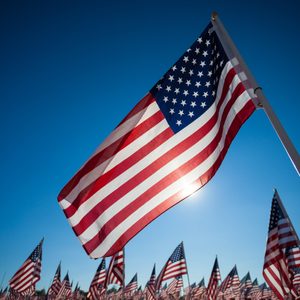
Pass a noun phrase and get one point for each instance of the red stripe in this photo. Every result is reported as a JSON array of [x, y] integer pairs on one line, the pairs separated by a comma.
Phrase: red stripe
[[273, 277], [162, 184], [91, 216], [106, 153], [242, 116]]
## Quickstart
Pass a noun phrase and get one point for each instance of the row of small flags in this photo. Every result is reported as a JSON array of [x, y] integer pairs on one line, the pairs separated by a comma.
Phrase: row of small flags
[[281, 271]]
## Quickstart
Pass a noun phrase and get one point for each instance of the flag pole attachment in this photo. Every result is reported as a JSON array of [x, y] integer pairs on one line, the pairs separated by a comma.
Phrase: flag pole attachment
[[232, 51]]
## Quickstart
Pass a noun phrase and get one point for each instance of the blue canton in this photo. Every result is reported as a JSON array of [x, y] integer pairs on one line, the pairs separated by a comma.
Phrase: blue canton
[[178, 254], [189, 88]]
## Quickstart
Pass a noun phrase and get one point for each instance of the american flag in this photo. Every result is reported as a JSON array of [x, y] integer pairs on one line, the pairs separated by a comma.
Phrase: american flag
[[169, 146], [215, 277], [175, 286], [65, 291], [150, 287], [115, 273], [255, 291], [230, 285], [175, 266], [200, 290], [97, 284], [56, 283], [281, 236], [26, 277], [132, 285]]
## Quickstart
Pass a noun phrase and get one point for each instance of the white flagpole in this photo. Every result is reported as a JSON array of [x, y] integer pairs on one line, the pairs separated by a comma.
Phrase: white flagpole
[[232, 51]]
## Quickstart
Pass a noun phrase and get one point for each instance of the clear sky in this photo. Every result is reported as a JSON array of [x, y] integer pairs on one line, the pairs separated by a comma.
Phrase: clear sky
[[71, 70]]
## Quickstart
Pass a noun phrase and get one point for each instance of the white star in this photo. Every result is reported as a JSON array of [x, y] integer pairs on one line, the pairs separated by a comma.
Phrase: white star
[[159, 87], [165, 99], [168, 88], [207, 42], [213, 93], [171, 78], [204, 53], [194, 61], [182, 70], [181, 113], [209, 73], [172, 111], [174, 68], [185, 93], [211, 62], [197, 50], [207, 84], [178, 122], [177, 91], [188, 50], [191, 72], [203, 104], [200, 74], [202, 64], [179, 80], [205, 94], [183, 102], [199, 40], [186, 59], [221, 63], [191, 114], [174, 101], [198, 84], [218, 54], [195, 94], [188, 83], [193, 104]]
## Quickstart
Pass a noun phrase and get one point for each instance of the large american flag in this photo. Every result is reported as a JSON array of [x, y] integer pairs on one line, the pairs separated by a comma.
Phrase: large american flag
[[215, 277], [175, 266], [279, 262], [97, 285], [170, 145], [26, 277], [115, 272], [56, 283]]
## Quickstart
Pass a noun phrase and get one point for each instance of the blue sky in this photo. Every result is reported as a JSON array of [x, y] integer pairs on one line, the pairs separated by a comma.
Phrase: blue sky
[[70, 71]]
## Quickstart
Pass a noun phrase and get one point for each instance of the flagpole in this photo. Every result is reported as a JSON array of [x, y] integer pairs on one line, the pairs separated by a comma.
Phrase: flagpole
[[231, 49]]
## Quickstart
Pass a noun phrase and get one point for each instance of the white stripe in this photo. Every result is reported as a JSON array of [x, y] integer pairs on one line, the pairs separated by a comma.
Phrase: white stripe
[[151, 157], [161, 173], [175, 187]]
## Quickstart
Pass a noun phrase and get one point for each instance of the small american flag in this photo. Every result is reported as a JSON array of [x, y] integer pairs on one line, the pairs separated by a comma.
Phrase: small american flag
[[150, 287], [115, 273], [26, 277], [169, 146], [97, 284], [56, 283], [65, 291], [175, 286], [277, 269], [132, 285], [175, 266], [215, 277]]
